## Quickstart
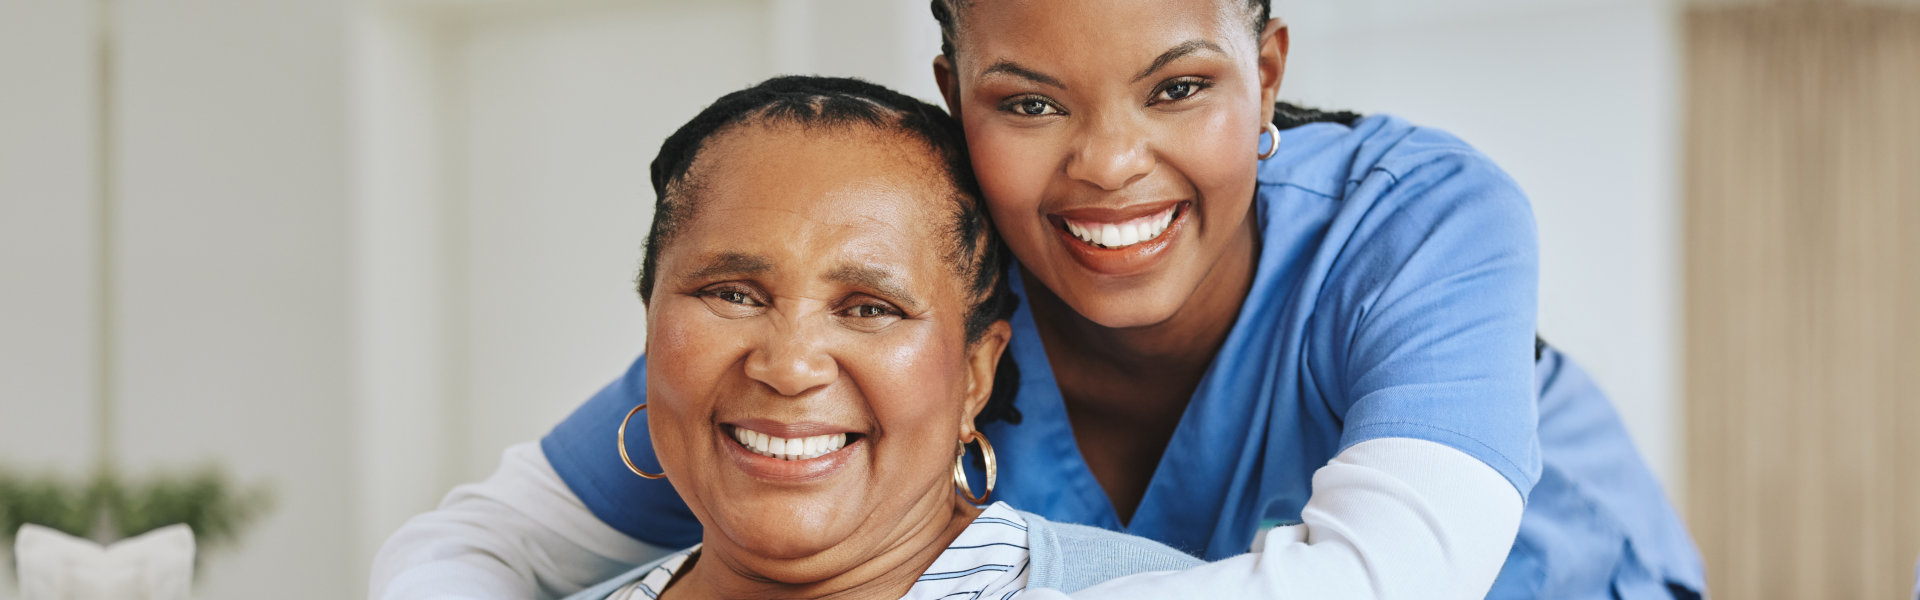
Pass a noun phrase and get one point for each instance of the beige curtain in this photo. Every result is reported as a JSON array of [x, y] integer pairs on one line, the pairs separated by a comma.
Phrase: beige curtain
[[1803, 298]]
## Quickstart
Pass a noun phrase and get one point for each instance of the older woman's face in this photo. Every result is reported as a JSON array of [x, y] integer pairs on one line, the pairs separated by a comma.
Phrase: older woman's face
[[807, 368]]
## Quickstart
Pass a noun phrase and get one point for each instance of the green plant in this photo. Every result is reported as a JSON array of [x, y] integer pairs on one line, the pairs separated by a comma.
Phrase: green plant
[[106, 507]]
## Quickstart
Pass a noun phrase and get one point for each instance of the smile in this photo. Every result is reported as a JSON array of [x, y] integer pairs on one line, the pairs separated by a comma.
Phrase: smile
[[1116, 235], [807, 448]]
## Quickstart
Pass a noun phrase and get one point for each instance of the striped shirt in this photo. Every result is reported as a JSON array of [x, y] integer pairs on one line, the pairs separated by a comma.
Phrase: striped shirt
[[989, 561]]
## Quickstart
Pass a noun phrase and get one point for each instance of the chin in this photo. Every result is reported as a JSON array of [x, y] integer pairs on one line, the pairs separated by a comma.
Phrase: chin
[[1143, 303], [785, 532], [1117, 315]]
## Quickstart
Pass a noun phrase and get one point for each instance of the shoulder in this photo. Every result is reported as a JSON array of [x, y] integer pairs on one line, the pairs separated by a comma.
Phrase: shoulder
[[1070, 557], [1381, 159], [1401, 189]]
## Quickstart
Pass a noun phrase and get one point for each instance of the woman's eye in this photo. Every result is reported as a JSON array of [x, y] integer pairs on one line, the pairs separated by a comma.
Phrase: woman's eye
[[1033, 107], [1179, 90], [730, 299], [868, 311]]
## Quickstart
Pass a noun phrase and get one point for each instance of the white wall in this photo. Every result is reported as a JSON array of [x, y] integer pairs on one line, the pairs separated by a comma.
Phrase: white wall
[[1578, 100], [231, 240], [48, 238]]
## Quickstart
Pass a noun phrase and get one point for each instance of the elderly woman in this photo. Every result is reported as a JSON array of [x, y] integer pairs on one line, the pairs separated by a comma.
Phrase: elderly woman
[[826, 308]]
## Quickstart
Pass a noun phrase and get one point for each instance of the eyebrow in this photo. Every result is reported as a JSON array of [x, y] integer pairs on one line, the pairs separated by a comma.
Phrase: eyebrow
[[1176, 53], [877, 279], [1017, 70], [732, 263]]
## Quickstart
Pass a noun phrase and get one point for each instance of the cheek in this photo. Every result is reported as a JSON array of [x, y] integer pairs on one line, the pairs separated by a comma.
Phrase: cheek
[[1218, 153], [1014, 168], [916, 389], [1215, 151], [680, 350], [687, 355]]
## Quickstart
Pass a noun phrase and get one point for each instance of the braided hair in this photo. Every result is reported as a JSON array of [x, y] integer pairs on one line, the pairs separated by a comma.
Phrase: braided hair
[[974, 248], [1285, 115]]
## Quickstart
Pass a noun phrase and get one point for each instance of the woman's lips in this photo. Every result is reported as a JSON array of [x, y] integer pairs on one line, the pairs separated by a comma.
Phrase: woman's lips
[[793, 457], [1120, 243]]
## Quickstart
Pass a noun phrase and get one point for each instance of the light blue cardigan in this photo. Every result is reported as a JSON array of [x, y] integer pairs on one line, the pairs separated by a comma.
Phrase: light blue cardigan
[[1098, 555]]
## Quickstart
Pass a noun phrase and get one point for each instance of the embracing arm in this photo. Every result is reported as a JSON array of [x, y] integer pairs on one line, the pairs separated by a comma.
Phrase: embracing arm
[[1389, 518], [520, 534]]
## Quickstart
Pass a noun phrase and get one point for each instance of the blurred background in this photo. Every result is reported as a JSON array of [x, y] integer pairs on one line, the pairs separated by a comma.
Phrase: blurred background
[[346, 251]]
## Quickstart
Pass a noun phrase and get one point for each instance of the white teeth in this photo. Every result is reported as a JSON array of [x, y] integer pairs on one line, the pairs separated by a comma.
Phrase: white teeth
[[789, 449], [1109, 235]]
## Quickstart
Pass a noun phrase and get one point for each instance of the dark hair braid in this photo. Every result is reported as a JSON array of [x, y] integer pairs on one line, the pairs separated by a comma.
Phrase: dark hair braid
[[974, 250]]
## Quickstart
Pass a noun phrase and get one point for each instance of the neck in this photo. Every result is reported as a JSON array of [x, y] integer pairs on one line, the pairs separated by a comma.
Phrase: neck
[[725, 571], [1177, 349]]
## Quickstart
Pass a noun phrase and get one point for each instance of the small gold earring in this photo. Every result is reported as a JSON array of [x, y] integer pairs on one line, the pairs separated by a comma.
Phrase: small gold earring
[[623, 446], [960, 472], [1273, 131]]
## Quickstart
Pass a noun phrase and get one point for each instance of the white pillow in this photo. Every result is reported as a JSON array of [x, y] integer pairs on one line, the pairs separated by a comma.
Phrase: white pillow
[[157, 565]]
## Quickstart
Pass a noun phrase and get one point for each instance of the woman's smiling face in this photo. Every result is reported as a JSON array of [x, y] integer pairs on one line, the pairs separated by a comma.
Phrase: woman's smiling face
[[1115, 140], [807, 309]]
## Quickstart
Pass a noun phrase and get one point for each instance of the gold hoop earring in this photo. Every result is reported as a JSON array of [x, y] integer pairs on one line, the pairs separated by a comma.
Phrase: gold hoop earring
[[1273, 131], [623, 446], [960, 472]]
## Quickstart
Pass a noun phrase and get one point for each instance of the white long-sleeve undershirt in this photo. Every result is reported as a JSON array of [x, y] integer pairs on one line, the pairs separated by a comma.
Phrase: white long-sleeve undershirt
[[1388, 518]]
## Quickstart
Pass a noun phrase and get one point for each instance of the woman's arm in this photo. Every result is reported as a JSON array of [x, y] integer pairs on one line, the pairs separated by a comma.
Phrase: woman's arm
[[1389, 518], [520, 534]]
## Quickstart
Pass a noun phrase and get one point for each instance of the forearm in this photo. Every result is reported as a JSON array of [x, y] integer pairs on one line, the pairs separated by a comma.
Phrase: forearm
[[1388, 518], [519, 534]]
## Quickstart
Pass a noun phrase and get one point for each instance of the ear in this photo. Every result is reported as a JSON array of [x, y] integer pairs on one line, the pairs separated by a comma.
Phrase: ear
[[943, 76], [1272, 63], [983, 360]]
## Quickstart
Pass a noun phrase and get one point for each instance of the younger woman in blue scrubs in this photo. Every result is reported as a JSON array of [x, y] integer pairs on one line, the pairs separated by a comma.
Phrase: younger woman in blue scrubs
[[1311, 340]]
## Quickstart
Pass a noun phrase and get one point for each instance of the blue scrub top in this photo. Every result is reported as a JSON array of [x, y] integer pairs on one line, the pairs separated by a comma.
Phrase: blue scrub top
[[1394, 296]]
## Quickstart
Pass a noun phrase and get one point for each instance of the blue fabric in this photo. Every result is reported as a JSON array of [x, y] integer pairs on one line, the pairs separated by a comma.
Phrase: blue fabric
[[1394, 296]]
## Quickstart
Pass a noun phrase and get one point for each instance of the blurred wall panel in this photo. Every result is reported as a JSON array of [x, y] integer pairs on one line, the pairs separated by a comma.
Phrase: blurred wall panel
[[406, 423], [232, 246], [49, 236], [1803, 236]]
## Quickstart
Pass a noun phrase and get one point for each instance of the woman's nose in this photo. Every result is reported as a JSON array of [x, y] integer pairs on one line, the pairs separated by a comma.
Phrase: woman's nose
[[792, 361], [1110, 156]]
